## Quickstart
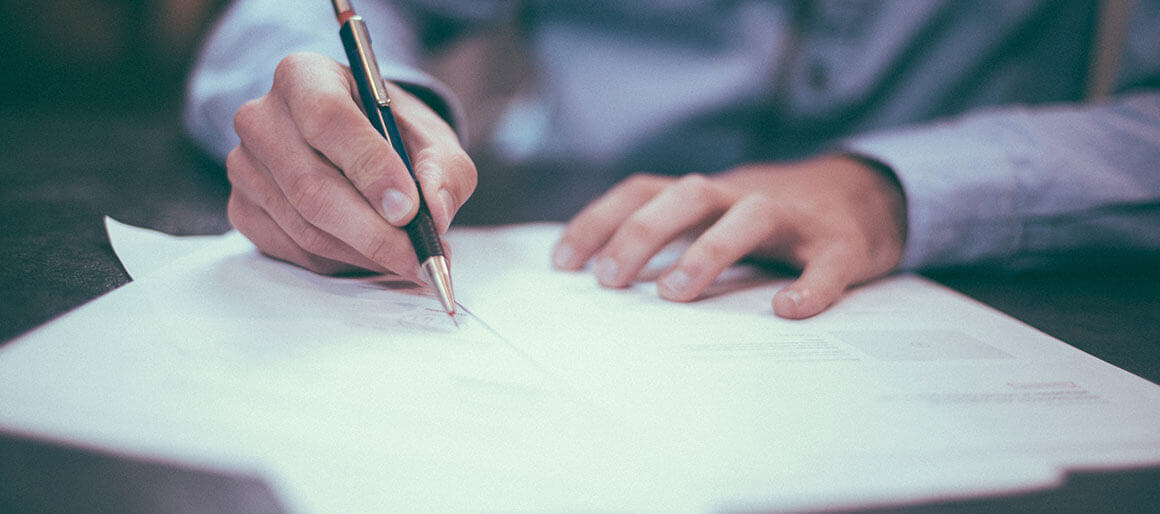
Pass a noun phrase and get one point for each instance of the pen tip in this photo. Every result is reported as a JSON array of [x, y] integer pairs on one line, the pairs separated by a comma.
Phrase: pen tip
[[440, 281]]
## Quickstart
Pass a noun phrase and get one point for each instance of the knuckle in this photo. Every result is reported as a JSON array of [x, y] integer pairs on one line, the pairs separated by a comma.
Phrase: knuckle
[[270, 198], [313, 240], [602, 219], [577, 233], [291, 66], [640, 182], [428, 153], [763, 207], [637, 229], [235, 161], [695, 189], [247, 119], [451, 169], [430, 166], [637, 188], [695, 183], [322, 116], [712, 251], [237, 213], [368, 165], [462, 166], [311, 196]]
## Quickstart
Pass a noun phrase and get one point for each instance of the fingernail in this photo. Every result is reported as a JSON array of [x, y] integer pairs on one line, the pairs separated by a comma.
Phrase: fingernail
[[606, 269], [396, 206], [448, 206], [562, 257], [794, 297], [676, 282]]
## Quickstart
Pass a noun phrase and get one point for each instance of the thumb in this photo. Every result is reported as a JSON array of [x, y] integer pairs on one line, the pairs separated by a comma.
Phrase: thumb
[[822, 282]]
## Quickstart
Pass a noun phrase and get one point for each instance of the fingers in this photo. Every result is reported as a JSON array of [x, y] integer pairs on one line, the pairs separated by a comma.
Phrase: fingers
[[272, 211], [589, 230], [257, 226], [812, 216], [748, 224], [313, 189], [318, 99], [447, 178], [443, 169], [312, 170], [822, 282], [679, 207], [330, 120]]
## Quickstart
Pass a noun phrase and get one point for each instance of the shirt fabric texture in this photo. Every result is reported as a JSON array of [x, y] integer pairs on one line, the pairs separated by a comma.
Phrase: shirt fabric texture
[[978, 107]]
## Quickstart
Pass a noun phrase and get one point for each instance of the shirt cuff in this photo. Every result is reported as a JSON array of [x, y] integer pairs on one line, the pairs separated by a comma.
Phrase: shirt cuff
[[432, 92], [960, 188], [423, 86]]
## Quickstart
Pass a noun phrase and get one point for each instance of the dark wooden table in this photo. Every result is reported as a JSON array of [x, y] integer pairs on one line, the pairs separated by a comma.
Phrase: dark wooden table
[[61, 172]]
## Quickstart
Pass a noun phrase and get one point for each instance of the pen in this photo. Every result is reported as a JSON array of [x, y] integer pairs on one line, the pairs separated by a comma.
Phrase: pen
[[377, 105]]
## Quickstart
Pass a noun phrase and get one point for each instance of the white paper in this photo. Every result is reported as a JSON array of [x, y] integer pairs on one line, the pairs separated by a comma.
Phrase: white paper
[[143, 251], [552, 394]]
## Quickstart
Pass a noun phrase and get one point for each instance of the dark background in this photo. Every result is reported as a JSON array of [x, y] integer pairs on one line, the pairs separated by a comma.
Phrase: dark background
[[90, 95], [98, 55]]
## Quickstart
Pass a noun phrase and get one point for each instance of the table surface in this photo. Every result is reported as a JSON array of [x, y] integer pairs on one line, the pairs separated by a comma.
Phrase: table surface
[[61, 173]]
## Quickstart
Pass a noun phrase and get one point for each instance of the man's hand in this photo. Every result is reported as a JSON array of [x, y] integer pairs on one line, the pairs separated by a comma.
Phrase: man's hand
[[314, 183], [839, 220]]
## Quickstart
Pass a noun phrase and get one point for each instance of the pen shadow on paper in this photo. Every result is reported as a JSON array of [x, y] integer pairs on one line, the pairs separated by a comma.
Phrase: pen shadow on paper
[[262, 287]]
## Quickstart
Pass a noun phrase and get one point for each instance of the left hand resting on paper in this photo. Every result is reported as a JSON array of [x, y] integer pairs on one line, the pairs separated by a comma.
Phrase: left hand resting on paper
[[837, 219]]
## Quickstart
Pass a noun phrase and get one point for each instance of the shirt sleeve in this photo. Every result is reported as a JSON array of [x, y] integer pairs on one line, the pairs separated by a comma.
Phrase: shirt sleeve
[[237, 61], [1021, 187]]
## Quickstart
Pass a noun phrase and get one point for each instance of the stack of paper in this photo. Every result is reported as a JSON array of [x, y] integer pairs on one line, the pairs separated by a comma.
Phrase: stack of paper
[[549, 393]]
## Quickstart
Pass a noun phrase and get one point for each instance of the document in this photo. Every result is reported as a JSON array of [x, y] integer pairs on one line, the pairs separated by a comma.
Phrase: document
[[549, 393]]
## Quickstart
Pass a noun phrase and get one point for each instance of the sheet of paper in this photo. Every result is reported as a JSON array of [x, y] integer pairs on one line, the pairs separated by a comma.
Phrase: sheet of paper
[[143, 251], [896, 373], [359, 395]]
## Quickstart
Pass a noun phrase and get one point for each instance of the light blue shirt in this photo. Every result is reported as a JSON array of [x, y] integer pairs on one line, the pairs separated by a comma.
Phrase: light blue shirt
[[977, 106]]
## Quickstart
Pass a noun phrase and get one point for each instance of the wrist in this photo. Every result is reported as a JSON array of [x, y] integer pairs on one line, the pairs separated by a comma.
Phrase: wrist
[[886, 182]]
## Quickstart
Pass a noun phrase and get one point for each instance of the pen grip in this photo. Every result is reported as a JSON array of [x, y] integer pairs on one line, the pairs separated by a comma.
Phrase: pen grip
[[424, 236], [421, 230]]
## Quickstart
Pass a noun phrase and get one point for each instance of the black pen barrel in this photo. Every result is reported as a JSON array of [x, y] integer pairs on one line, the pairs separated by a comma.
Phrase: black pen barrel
[[421, 229]]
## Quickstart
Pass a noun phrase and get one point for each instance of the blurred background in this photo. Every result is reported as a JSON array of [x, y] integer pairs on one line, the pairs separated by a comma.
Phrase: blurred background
[[90, 102], [98, 54]]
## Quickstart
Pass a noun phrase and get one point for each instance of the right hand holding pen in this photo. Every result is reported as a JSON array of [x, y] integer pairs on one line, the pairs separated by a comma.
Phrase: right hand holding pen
[[314, 184]]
